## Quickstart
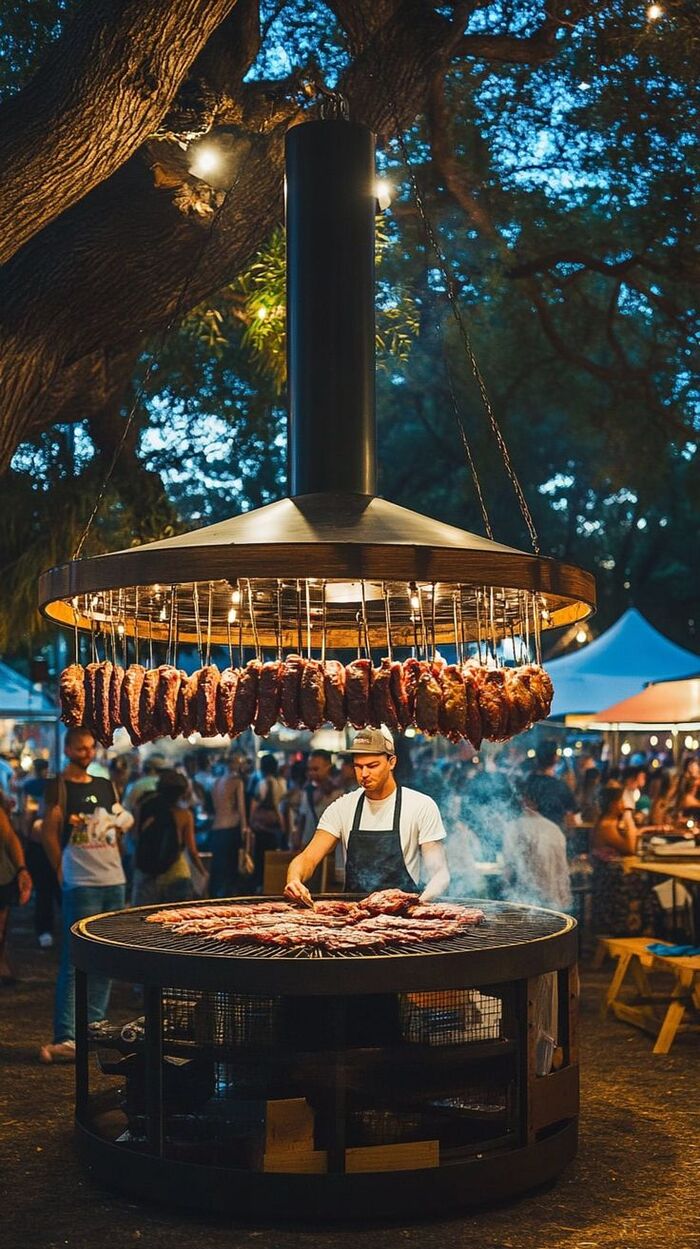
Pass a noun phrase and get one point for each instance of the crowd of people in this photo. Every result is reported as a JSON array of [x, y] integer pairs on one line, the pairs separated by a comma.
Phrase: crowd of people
[[133, 831]]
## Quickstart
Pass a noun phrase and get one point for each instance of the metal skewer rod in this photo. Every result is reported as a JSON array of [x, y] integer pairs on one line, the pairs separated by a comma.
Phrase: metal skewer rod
[[136, 625], [432, 619], [458, 644], [477, 602], [197, 622], [424, 632], [323, 622], [365, 626], [251, 609], [209, 611], [299, 630], [308, 618], [387, 617], [278, 621]]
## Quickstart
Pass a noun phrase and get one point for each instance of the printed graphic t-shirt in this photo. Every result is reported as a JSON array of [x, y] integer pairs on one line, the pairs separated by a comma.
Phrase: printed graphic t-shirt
[[90, 839]]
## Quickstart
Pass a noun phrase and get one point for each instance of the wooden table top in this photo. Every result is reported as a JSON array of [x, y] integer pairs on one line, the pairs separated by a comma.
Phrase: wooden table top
[[682, 871]]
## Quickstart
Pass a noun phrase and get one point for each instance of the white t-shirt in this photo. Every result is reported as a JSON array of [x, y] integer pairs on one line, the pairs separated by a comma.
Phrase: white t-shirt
[[420, 822], [534, 855]]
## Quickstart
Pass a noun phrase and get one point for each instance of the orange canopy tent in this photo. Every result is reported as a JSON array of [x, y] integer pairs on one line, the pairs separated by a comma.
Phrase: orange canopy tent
[[666, 704]]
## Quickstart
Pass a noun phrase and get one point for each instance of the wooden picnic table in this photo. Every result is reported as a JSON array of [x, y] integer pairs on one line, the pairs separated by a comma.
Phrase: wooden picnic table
[[678, 871], [646, 1010]]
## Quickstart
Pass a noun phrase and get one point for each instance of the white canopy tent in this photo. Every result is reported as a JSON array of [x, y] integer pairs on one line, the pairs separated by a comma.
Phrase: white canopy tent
[[618, 664], [666, 705], [27, 714]]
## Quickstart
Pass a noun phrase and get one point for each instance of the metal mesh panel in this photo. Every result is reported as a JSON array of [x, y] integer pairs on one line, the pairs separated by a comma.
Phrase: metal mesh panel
[[455, 1017]]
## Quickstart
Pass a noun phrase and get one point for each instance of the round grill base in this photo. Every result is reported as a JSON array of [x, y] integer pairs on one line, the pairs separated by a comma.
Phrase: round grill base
[[394, 1085]]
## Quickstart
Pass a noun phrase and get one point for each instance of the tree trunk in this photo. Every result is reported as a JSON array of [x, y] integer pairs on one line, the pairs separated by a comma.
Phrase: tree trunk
[[103, 90]]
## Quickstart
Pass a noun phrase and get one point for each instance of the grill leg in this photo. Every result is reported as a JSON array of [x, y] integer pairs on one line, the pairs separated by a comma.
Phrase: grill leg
[[336, 1152], [81, 1046], [153, 1008]]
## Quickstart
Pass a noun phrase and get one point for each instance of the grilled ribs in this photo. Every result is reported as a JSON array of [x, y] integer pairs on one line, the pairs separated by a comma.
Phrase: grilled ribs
[[312, 698], [381, 704], [334, 690], [269, 691], [357, 685]]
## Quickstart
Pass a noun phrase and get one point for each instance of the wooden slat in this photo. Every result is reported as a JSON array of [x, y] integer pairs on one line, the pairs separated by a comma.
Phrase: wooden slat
[[554, 1097], [410, 1156]]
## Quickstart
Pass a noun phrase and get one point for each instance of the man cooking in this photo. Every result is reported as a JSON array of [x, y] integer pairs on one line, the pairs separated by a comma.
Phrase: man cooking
[[392, 836]]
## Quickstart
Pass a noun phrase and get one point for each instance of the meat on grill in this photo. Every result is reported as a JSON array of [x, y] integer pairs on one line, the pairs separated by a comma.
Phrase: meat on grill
[[269, 690], [381, 704], [148, 727], [91, 671], [246, 697], [389, 902], [334, 690], [72, 692], [453, 704], [103, 681], [291, 689], [207, 687], [357, 685], [167, 692], [130, 701], [225, 701], [312, 698], [428, 702], [115, 696]]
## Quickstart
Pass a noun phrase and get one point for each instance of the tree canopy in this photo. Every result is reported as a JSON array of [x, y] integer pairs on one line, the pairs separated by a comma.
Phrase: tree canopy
[[553, 147]]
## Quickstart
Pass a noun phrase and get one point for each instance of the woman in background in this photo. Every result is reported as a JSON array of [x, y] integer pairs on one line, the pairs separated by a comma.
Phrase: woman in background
[[624, 904], [164, 840]]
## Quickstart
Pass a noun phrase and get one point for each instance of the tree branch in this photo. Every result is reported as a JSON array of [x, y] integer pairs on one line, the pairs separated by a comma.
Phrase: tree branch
[[534, 49], [104, 88]]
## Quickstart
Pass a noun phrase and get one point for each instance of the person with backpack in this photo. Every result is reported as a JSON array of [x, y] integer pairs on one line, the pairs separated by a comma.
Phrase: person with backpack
[[265, 817], [81, 833], [165, 844]]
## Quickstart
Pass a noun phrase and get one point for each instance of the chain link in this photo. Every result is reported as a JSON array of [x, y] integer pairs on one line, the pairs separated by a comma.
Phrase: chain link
[[468, 452], [466, 339]]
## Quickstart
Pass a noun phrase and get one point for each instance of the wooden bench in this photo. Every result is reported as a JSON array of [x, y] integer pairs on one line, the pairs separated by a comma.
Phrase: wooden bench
[[646, 1010]]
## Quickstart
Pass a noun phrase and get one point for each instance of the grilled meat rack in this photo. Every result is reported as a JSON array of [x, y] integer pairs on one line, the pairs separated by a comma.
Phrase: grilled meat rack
[[274, 1083]]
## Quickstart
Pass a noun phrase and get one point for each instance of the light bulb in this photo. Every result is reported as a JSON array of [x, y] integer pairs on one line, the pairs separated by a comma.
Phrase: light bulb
[[206, 160], [120, 630], [688, 743], [232, 615], [261, 313], [669, 743], [382, 191], [653, 740], [236, 598], [581, 636], [625, 748], [654, 12]]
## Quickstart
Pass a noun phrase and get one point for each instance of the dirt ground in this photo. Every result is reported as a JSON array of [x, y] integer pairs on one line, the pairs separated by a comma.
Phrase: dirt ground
[[634, 1182]]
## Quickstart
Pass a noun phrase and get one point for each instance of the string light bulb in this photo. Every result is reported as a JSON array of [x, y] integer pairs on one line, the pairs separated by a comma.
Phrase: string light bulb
[[232, 615], [414, 597], [382, 191], [581, 636], [205, 161], [625, 748], [654, 12], [236, 598]]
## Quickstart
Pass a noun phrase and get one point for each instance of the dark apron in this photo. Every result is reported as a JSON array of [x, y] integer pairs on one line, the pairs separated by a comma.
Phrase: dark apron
[[375, 859]]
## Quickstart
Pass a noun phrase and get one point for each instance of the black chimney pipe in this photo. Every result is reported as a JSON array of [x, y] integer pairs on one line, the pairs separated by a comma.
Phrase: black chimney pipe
[[330, 208]]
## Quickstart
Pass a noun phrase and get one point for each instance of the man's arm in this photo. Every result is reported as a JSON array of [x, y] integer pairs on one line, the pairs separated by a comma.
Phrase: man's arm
[[304, 865], [51, 837], [435, 870]]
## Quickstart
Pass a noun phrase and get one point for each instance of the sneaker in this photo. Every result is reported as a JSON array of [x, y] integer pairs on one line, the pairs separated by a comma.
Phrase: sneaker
[[58, 1052], [45, 940]]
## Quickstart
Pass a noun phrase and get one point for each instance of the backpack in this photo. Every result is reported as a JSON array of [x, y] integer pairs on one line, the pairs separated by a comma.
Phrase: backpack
[[158, 844]]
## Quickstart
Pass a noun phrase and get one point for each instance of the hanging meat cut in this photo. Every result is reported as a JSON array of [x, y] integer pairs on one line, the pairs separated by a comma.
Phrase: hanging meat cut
[[468, 702]]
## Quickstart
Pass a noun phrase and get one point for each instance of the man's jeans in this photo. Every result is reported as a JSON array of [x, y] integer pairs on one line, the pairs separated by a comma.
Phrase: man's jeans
[[77, 904]]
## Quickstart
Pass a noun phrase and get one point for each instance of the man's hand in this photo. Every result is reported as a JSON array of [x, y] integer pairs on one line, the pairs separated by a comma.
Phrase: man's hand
[[296, 891]]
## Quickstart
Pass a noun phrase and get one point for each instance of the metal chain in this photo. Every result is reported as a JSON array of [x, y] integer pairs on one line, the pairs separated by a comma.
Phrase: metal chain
[[466, 339], [467, 451]]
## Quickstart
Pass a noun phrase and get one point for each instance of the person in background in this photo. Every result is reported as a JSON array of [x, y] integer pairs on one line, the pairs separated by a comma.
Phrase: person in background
[[665, 791], [265, 816], [81, 833], [120, 773], [321, 789], [552, 797], [15, 887], [164, 839], [634, 780], [291, 801], [346, 779], [587, 795], [146, 783], [229, 828], [688, 796], [534, 855], [623, 902], [47, 893]]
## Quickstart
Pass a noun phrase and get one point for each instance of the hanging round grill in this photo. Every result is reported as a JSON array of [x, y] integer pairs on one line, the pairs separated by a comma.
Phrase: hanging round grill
[[333, 568]]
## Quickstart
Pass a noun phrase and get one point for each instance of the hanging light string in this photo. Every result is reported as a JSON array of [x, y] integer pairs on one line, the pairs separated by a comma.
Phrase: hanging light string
[[443, 265]]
